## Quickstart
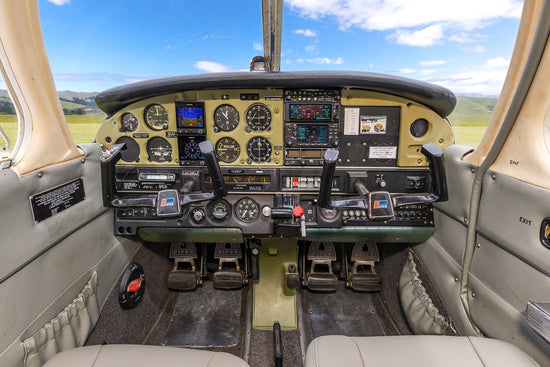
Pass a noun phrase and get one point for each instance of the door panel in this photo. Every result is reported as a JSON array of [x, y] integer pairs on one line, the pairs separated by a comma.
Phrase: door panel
[[511, 213], [510, 266], [44, 266], [442, 254]]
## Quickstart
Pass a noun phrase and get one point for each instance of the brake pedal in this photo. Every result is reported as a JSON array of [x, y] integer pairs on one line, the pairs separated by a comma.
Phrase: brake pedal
[[363, 276], [320, 276], [229, 274], [184, 276]]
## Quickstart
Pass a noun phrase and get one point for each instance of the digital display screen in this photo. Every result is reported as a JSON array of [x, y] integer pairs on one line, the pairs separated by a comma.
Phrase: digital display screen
[[190, 116], [313, 134], [310, 112], [243, 179]]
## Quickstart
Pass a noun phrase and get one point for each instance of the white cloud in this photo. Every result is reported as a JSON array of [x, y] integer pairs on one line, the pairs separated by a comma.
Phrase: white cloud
[[306, 32], [433, 62], [416, 23], [258, 46], [414, 71], [311, 48], [478, 49], [405, 71], [323, 60], [59, 2], [484, 79], [211, 66], [497, 62], [428, 36], [106, 78]]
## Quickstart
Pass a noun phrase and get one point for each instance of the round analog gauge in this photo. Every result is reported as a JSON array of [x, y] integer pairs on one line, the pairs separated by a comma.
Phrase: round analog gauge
[[258, 117], [227, 150], [156, 117], [226, 117], [219, 209], [247, 209], [192, 150], [159, 149], [129, 122], [131, 154], [259, 149]]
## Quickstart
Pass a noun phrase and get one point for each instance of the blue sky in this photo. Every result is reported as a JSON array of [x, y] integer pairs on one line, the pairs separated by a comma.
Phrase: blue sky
[[463, 45]]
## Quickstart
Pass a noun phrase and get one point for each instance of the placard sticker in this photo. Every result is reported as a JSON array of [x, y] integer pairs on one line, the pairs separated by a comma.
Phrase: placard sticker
[[49, 203], [351, 121], [382, 152], [373, 124]]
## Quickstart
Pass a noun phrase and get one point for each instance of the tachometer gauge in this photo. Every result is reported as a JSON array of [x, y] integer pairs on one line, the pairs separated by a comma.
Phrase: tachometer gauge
[[131, 154], [247, 209], [259, 149], [219, 209], [226, 117], [156, 117], [227, 150], [159, 150], [129, 122], [258, 117]]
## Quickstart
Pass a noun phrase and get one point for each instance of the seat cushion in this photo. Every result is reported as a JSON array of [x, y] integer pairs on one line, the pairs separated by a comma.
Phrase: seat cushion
[[414, 351], [141, 356]]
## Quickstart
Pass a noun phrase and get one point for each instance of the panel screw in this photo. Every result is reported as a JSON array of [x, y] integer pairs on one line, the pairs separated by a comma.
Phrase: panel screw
[[456, 279], [441, 141], [83, 160], [465, 220], [473, 294], [39, 174], [473, 170], [493, 176], [478, 245]]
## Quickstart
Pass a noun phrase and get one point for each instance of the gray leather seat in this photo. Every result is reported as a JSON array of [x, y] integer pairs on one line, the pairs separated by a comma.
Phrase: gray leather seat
[[414, 351], [142, 356]]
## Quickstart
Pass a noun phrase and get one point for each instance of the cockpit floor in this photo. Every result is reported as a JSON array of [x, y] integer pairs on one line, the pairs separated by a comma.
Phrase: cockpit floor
[[344, 312], [217, 320], [205, 318]]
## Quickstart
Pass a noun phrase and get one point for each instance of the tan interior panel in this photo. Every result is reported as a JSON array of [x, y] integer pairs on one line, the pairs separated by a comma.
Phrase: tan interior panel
[[439, 130]]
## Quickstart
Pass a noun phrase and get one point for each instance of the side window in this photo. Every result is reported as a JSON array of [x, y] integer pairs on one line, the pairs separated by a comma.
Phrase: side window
[[82, 114], [8, 122], [471, 117]]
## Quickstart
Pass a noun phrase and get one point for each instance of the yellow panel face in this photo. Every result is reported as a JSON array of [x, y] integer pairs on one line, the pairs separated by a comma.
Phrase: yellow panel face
[[439, 130], [269, 101], [241, 134], [265, 102]]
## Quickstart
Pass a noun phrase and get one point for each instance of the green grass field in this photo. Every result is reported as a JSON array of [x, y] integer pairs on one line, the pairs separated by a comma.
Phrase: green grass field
[[469, 130], [83, 127]]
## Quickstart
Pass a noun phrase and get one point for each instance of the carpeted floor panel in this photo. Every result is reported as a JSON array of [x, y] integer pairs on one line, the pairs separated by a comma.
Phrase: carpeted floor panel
[[205, 318], [344, 312], [118, 326], [261, 349]]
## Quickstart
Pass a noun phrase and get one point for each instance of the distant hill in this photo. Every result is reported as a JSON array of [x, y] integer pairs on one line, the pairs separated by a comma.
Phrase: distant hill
[[474, 106], [73, 103]]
